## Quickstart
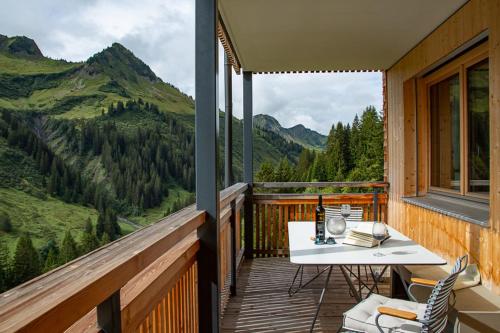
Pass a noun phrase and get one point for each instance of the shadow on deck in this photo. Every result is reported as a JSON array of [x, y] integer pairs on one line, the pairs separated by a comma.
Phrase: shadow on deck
[[263, 305]]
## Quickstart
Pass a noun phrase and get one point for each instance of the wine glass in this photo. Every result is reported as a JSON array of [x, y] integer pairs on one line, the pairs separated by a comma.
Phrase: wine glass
[[379, 232], [345, 211]]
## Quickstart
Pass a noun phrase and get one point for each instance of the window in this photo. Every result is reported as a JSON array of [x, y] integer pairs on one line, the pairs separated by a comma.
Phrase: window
[[458, 110], [445, 133], [478, 128]]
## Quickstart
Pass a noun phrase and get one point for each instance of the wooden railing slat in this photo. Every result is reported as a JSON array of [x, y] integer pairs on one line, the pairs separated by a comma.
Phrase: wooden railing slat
[[145, 291], [278, 209]]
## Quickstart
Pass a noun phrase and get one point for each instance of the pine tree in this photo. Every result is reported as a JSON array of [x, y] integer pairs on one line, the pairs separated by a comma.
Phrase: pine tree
[[283, 172], [99, 228], [319, 172], [50, 246], [69, 249], [89, 241], [5, 223], [105, 239], [266, 173], [52, 260], [26, 262], [4, 267]]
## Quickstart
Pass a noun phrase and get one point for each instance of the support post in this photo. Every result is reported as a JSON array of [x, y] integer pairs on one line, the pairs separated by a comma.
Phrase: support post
[[234, 255], [375, 204], [228, 148], [248, 160], [109, 314], [207, 133]]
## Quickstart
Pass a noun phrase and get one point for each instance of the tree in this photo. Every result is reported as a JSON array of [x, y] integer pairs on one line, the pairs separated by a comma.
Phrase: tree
[[266, 173], [105, 240], [89, 241], [52, 260], [283, 172], [319, 172], [4, 267], [5, 223], [50, 246], [26, 262], [69, 249]]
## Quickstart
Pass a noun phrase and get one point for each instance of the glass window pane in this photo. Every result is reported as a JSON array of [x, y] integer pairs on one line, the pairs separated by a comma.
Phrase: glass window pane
[[445, 133], [478, 127]]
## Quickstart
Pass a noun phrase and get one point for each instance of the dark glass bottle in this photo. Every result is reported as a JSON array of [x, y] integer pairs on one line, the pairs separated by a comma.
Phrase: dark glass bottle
[[320, 222]]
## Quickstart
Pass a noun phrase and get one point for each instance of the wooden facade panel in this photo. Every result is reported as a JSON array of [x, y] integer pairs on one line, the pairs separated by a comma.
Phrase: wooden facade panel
[[451, 238], [410, 127], [448, 236]]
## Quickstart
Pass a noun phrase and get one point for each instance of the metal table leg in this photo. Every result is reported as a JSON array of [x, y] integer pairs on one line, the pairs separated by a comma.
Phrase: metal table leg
[[321, 297], [349, 282], [362, 284], [292, 291]]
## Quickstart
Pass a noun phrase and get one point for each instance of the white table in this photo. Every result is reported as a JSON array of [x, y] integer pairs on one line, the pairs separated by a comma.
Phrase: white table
[[398, 250]]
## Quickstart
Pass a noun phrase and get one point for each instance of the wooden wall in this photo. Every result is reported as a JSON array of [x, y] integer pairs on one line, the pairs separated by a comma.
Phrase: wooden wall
[[448, 236]]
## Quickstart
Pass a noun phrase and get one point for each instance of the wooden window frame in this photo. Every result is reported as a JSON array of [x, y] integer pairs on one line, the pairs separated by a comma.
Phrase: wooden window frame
[[459, 66]]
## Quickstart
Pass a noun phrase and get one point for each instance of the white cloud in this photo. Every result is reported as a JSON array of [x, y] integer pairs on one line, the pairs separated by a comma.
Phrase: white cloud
[[161, 33]]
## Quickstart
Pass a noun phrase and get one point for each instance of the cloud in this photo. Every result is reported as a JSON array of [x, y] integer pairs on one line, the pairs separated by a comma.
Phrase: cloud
[[161, 33]]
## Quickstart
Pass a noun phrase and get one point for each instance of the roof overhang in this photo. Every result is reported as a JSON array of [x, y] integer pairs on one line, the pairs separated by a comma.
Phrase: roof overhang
[[327, 35]]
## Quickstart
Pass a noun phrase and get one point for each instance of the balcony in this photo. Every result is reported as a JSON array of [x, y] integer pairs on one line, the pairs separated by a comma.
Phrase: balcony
[[148, 280], [221, 265]]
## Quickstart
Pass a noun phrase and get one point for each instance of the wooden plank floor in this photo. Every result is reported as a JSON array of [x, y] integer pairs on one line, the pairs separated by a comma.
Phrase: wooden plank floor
[[262, 303]]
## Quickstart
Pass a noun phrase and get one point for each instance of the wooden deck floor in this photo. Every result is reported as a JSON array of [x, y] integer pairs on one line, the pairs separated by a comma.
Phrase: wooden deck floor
[[262, 303]]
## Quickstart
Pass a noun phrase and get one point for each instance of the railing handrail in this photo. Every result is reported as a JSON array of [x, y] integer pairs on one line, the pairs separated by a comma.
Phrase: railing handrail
[[232, 192], [56, 300], [313, 197], [67, 293], [277, 185]]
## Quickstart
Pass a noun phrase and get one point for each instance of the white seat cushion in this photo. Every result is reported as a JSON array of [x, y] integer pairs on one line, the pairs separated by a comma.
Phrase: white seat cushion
[[361, 317]]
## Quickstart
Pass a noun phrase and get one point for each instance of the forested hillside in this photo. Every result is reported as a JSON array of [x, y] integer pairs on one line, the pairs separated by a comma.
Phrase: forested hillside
[[93, 150], [353, 153]]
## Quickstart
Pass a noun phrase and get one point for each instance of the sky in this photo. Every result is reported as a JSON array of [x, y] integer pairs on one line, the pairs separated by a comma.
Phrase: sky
[[161, 33]]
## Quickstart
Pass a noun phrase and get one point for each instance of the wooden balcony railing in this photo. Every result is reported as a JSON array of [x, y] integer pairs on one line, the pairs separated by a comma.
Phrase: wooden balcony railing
[[143, 282], [273, 211], [148, 281]]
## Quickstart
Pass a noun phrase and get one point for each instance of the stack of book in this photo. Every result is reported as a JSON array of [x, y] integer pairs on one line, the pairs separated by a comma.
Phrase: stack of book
[[362, 236]]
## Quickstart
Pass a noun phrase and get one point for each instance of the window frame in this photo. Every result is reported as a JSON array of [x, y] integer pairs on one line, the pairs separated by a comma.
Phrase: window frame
[[459, 66]]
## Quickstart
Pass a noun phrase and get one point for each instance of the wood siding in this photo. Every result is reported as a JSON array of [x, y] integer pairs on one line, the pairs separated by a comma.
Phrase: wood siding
[[445, 235]]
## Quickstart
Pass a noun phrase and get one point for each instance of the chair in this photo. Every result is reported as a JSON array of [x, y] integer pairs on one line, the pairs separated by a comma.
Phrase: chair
[[380, 314], [334, 211]]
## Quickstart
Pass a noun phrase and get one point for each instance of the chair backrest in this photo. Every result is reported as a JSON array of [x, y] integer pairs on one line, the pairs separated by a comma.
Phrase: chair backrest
[[436, 312], [334, 211]]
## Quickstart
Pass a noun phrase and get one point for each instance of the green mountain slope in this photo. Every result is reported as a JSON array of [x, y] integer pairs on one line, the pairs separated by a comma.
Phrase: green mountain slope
[[298, 133], [66, 155]]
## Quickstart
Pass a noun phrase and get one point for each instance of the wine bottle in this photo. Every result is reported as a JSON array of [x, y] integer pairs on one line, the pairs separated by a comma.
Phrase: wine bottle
[[320, 222]]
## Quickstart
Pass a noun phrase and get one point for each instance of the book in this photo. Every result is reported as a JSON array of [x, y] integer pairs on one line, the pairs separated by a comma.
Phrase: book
[[362, 236]]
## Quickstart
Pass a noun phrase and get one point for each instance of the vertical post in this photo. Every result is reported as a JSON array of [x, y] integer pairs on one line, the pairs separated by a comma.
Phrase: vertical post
[[109, 314], [228, 148], [247, 128], [234, 255], [375, 204], [248, 160], [207, 133]]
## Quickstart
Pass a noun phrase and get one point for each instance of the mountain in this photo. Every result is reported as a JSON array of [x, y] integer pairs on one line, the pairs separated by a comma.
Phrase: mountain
[[19, 46], [80, 138], [298, 133]]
